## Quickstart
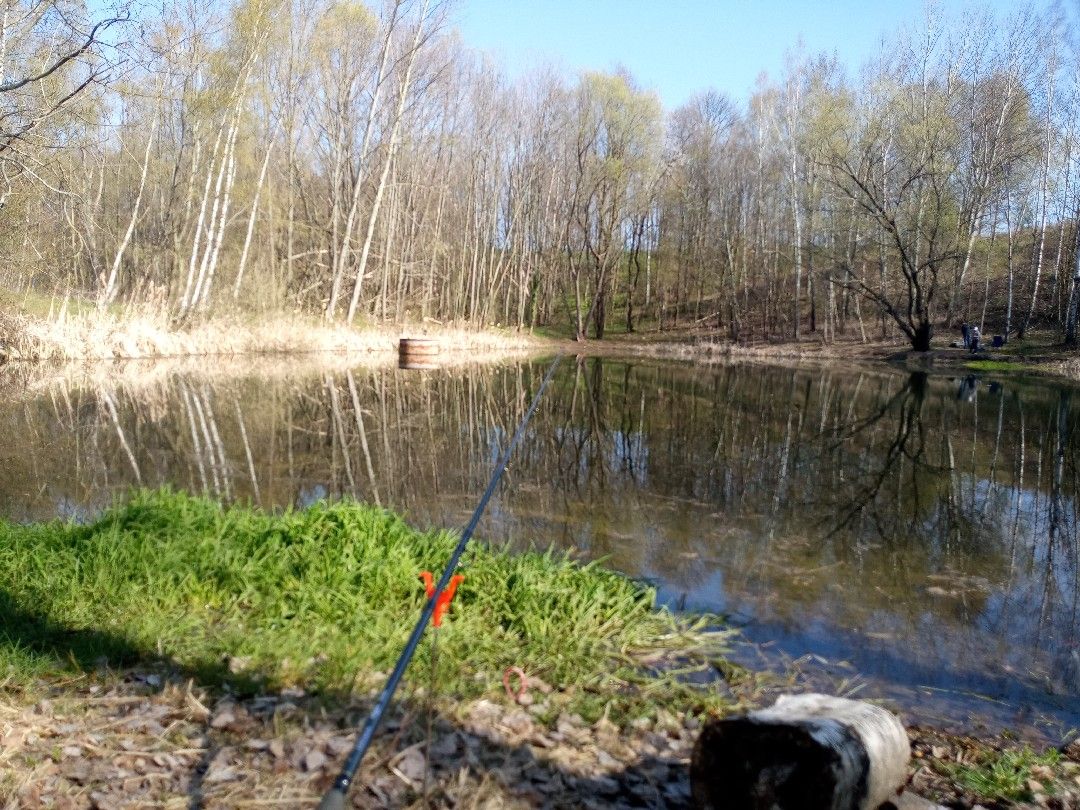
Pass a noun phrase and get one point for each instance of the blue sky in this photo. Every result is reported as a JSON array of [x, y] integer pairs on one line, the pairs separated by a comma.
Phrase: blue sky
[[678, 47]]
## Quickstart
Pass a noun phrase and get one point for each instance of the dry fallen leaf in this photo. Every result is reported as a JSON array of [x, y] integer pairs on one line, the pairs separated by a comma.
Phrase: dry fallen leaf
[[223, 719], [314, 760]]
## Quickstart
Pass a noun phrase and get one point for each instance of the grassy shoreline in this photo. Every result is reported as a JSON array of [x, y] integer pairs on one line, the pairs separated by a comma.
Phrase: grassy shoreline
[[233, 650], [89, 335], [176, 647], [1038, 356], [323, 598]]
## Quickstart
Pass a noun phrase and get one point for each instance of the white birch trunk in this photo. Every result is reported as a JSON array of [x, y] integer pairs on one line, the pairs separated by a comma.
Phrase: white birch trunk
[[185, 299], [203, 299], [253, 216], [394, 134], [1042, 202], [342, 256], [108, 294], [211, 223]]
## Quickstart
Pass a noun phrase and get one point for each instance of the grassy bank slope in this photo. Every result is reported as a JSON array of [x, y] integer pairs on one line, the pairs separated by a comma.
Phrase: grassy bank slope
[[170, 587], [322, 598]]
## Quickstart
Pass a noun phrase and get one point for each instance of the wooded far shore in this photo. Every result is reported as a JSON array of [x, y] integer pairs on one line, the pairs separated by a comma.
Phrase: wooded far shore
[[362, 164]]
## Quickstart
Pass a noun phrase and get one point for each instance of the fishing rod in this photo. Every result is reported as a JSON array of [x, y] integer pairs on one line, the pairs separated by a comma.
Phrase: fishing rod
[[335, 796]]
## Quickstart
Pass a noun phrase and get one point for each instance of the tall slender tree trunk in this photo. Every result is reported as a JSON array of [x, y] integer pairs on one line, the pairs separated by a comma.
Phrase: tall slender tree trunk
[[1073, 310], [989, 254], [797, 216], [196, 247], [391, 149], [108, 293], [253, 216], [1009, 269], [202, 294], [1041, 244], [341, 257]]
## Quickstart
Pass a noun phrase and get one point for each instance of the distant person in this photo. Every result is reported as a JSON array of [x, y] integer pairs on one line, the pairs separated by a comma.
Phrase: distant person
[[973, 338], [965, 333]]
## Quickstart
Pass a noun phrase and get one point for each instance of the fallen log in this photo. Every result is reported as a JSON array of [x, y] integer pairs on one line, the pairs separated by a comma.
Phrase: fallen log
[[807, 752]]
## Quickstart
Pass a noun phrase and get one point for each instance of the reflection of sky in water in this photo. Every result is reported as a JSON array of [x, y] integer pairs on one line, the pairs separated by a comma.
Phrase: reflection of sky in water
[[308, 496], [875, 521], [67, 509], [1014, 651]]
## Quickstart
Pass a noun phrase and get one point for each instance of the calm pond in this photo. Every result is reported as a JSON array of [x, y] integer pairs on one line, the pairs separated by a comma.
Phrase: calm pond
[[887, 534]]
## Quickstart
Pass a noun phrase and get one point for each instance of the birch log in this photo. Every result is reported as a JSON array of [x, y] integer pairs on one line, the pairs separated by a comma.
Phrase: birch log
[[807, 752]]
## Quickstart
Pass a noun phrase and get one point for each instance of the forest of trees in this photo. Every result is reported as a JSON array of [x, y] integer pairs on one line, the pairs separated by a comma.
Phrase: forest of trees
[[360, 162]]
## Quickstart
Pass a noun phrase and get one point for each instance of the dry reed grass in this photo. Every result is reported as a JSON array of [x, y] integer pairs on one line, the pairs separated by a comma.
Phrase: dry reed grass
[[104, 336], [142, 352], [1069, 369]]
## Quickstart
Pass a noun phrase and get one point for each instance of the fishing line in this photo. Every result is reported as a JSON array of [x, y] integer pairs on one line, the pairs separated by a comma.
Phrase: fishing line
[[335, 796]]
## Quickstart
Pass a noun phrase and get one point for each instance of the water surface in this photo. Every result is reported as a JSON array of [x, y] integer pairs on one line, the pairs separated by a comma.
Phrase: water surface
[[893, 535]]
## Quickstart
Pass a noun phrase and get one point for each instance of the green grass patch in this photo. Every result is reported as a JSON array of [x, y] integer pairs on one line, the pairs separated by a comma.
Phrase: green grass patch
[[324, 598], [1004, 775], [556, 332], [41, 305], [996, 365]]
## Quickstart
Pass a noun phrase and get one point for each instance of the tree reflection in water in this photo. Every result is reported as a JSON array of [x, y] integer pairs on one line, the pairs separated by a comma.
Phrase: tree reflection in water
[[924, 529]]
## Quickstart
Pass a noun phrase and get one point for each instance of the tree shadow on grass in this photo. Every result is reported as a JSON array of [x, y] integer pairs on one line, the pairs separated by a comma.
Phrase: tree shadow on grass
[[507, 754], [53, 644]]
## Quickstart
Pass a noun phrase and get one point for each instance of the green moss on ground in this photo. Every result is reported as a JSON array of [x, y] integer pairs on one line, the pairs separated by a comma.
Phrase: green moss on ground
[[996, 365]]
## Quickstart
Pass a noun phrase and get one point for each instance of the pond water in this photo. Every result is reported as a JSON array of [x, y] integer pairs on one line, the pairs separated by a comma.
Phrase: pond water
[[889, 535]]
